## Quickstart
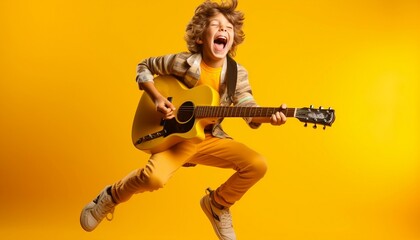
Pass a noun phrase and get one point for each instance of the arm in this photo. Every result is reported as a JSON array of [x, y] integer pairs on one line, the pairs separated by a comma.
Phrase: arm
[[244, 97], [146, 71], [148, 68]]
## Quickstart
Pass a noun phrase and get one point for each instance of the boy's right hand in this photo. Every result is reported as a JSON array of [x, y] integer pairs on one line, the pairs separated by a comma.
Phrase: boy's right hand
[[165, 107]]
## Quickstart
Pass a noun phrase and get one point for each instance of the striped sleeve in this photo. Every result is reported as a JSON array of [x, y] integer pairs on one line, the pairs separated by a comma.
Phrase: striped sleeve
[[243, 94], [150, 67]]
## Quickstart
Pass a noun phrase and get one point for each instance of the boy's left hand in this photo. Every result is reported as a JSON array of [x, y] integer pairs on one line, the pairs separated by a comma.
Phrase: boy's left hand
[[278, 118]]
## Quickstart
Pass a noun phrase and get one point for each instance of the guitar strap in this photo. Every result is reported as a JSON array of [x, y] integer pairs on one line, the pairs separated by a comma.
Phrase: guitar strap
[[231, 77]]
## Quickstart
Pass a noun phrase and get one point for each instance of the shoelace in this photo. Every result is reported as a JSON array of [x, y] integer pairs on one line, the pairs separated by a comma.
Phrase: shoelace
[[224, 214], [107, 208], [225, 219]]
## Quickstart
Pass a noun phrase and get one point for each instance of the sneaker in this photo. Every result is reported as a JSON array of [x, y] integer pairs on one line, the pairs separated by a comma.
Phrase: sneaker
[[93, 213], [221, 219]]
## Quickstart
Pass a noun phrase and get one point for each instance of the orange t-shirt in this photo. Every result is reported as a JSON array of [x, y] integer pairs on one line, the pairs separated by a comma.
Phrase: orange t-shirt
[[210, 76]]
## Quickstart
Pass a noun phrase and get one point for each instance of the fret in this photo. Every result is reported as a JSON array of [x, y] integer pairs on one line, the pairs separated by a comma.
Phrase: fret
[[219, 111], [267, 112], [238, 111], [290, 112]]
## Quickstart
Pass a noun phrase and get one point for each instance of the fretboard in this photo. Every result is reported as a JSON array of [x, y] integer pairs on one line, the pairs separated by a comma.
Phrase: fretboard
[[219, 111]]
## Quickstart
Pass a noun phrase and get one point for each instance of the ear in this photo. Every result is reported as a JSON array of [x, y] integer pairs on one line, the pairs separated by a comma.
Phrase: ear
[[199, 41]]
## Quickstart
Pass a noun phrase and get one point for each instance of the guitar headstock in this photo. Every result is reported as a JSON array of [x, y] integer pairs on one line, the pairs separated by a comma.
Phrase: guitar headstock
[[316, 116]]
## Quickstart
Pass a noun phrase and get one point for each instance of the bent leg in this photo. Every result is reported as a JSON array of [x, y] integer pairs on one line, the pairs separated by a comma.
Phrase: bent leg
[[249, 165], [158, 170]]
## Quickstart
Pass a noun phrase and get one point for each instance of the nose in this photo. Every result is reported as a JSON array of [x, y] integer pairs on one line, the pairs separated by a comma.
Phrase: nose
[[222, 28]]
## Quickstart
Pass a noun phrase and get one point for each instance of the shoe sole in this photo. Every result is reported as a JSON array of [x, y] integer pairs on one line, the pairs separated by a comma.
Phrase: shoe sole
[[85, 216]]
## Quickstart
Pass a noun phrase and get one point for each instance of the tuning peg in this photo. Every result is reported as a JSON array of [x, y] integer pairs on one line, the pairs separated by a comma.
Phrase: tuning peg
[[329, 109], [325, 126], [306, 124], [311, 106], [320, 107], [314, 126]]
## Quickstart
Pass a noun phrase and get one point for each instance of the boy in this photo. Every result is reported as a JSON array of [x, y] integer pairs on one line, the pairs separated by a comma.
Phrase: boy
[[212, 34]]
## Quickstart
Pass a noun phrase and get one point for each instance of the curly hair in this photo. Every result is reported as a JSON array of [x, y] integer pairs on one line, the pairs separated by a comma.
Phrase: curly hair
[[200, 21]]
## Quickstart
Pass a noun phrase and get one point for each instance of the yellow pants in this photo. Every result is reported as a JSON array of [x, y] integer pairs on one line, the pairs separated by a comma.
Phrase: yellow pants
[[223, 153]]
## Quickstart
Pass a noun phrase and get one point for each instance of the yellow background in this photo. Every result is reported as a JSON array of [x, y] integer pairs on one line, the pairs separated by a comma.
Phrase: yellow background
[[68, 96]]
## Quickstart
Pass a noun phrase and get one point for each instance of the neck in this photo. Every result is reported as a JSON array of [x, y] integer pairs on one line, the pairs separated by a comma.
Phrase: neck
[[214, 63], [227, 111]]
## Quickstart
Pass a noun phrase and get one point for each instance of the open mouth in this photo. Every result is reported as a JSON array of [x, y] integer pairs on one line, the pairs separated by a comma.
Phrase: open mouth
[[220, 42]]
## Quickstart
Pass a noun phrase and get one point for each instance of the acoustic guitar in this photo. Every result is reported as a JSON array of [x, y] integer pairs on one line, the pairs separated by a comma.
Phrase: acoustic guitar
[[195, 109]]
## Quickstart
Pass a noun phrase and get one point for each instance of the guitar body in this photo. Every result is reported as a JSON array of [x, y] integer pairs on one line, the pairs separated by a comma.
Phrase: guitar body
[[183, 127]]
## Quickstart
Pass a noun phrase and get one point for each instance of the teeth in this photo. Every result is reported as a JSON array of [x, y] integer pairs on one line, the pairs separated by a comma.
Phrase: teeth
[[222, 39]]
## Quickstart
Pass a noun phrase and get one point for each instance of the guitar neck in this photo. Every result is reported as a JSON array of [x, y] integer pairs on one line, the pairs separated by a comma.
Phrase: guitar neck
[[220, 111]]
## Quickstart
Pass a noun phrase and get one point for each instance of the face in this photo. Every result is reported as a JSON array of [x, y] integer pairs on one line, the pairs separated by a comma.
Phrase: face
[[217, 40]]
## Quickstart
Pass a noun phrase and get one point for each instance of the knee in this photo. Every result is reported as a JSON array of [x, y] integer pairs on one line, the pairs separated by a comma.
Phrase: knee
[[258, 166], [151, 180], [262, 166], [155, 182]]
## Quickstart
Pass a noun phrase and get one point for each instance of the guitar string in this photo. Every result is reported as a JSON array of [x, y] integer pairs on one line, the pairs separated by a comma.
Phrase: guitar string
[[237, 111]]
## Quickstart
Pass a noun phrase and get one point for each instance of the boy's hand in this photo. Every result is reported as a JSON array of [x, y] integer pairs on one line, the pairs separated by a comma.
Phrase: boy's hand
[[165, 107], [278, 118]]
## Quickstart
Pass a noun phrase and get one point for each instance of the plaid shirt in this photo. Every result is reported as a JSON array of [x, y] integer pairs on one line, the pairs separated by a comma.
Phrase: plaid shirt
[[186, 68]]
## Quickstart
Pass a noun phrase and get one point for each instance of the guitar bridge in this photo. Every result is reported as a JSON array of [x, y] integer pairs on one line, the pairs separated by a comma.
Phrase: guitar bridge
[[151, 136]]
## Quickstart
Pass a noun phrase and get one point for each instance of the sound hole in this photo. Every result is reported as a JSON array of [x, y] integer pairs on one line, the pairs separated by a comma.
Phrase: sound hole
[[185, 112]]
